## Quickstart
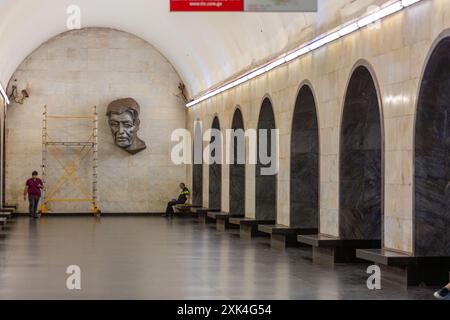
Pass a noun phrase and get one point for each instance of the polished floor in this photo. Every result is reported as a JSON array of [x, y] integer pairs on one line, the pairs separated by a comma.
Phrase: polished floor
[[153, 258]]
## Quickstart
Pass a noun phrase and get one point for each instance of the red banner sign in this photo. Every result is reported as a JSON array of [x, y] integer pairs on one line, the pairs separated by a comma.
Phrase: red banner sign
[[206, 5]]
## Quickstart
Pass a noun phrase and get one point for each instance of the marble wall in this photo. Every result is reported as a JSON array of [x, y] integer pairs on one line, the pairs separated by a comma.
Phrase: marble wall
[[237, 170], [396, 51], [215, 174], [304, 187], [2, 149], [197, 171], [360, 160], [70, 74], [266, 185], [432, 162]]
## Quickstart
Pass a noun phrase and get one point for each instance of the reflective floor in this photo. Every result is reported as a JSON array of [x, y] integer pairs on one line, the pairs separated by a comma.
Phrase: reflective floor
[[153, 258]]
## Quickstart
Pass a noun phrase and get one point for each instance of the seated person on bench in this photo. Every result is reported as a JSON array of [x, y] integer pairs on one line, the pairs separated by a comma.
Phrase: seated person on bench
[[182, 199]]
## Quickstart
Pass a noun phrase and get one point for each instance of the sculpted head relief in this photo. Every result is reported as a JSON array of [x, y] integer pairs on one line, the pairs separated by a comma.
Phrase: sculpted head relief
[[123, 119]]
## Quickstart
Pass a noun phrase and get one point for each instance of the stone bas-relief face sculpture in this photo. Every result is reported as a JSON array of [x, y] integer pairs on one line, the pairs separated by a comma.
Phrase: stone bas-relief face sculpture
[[123, 115]]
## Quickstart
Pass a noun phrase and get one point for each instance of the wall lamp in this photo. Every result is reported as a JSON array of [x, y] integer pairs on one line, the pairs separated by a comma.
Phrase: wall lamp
[[15, 96], [385, 10]]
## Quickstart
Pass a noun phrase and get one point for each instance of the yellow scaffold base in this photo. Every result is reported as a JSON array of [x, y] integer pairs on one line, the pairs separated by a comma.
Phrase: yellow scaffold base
[[43, 209], [96, 211]]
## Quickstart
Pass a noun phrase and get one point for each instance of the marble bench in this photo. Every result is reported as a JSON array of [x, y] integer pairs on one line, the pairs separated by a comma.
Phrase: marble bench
[[282, 236], [185, 210], [7, 215], [202, 214], [10, 207], [8, 212], [407, 270], [222, 220], [249, 226], [329, 250]]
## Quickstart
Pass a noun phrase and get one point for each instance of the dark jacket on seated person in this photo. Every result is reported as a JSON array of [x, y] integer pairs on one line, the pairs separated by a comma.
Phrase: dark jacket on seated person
[[182, 198]]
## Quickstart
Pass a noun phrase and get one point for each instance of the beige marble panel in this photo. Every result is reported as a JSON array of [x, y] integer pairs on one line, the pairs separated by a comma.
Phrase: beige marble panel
[[399, 201], [225, 188], [77, 70], [398, 235]]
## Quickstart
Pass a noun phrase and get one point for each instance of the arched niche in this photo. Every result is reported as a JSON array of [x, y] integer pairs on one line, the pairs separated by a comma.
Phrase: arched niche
[[197, 166], [71, 81], [304, 180], [215, 175], [266, 185], [237, 168], [432, 161], [360, 209]]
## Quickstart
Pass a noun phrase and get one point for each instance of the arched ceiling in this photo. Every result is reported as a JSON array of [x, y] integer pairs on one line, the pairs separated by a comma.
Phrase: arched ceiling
[[204, 48]]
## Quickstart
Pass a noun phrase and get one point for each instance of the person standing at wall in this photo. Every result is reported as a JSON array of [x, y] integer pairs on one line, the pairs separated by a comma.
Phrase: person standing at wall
[[33, 188]]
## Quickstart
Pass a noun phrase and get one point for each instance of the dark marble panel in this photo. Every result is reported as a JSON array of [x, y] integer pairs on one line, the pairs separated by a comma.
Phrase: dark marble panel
[[237, 173], [266, 186], [237, 189], [197, 182], [215, 186], [215, 177], [304, 191], [432, 162], [266, 197], [360, 161], [197, 170]]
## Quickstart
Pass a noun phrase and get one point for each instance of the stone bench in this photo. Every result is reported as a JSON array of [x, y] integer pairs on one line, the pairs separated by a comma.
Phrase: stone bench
[[202, 214], [10, 206], [196, 209], [407, 270], [249, 226], [7, 215], [329, 250], [185, 209], [282, 236], [222, 219], [8, 212]]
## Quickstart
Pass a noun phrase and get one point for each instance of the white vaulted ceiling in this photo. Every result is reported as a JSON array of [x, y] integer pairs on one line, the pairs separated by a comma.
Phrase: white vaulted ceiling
[[204, 48]]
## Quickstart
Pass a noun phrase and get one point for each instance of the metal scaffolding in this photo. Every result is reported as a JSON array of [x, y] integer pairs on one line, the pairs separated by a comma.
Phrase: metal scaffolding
[[70, 168]]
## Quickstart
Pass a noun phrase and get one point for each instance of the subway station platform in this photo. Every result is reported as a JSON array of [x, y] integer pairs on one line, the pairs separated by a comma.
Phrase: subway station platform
[[157, 258]]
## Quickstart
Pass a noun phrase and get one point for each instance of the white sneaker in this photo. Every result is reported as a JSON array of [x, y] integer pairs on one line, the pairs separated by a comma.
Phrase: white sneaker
[[442, 294]]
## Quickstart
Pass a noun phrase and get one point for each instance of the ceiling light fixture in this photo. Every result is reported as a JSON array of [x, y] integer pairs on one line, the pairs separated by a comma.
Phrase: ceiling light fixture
[[387, 9]]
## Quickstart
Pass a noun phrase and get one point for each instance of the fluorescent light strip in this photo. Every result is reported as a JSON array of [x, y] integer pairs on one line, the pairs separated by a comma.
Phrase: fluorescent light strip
[[325, 40], [387, 9], [274, 64], [380, 14], [407, 3], [5, 96], [297, 53], [348, 29]]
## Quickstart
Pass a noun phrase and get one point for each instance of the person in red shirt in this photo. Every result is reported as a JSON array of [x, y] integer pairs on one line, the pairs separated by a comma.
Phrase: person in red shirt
[[33, 188]]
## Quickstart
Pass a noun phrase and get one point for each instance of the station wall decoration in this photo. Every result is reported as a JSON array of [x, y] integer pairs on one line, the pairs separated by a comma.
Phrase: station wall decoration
[[245, 5], [123, 119]]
